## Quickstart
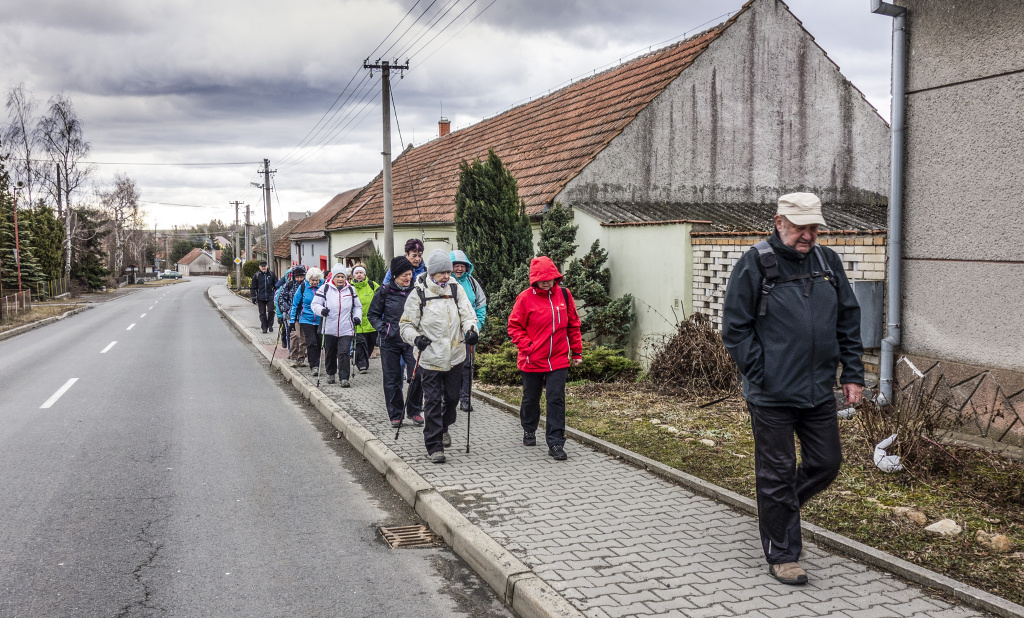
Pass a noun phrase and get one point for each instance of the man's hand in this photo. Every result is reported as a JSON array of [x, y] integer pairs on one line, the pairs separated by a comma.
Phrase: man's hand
[[472, 337], [852, 393], [576, 362], [422, 342], [326, 311]]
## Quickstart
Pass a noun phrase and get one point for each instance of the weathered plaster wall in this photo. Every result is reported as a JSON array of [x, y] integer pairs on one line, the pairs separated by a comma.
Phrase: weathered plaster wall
[[763, 111], [964, 263]]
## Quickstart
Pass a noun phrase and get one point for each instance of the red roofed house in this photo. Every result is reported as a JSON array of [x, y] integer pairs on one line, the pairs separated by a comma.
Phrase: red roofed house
[[310, 244], [702, 135], [199, 262]]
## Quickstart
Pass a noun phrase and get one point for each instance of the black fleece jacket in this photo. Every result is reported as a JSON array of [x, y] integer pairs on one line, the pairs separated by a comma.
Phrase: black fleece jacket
[[386, 309], [789, 356]]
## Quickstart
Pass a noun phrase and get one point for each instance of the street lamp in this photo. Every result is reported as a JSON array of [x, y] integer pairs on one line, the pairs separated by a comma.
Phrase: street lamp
[[17, 244]]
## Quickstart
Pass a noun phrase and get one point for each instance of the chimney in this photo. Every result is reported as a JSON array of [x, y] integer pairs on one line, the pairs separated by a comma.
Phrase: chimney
[[444, 127]]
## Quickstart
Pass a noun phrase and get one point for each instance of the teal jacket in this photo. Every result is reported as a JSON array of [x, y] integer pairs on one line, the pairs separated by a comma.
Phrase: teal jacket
[[474, 291]]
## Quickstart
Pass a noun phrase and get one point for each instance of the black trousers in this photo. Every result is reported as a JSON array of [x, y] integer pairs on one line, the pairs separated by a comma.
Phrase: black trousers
[[266, 309], [364, 348], [391, 357], [312, 337], [440, 397], [552, 383], [467, 376], [336, 351], [283, 327], [783, 486]]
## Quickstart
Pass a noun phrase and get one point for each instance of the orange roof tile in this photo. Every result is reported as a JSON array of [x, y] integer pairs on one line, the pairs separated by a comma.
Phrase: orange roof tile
[[314, 225], [545, 143]]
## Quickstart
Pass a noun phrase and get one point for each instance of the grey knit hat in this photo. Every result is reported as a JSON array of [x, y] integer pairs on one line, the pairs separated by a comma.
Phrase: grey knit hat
[[438, 262]]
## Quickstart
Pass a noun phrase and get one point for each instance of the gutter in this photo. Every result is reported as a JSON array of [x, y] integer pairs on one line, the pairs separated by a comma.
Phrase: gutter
[[895, 241]]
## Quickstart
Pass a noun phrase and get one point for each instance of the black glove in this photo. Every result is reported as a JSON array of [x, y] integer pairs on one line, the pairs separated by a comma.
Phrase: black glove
[[280, 321], [422, 342], [326, 311], [291, 327], [472, 337], [356, 320]]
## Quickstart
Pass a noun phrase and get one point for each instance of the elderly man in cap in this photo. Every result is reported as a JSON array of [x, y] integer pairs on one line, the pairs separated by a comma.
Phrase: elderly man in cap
[[790, 318], [261, 291]]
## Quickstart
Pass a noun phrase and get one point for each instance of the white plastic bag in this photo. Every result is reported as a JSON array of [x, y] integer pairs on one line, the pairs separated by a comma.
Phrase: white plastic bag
[[887, 463]]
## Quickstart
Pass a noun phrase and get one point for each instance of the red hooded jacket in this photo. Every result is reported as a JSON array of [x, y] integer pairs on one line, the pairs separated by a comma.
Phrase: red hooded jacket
[[543, 326]]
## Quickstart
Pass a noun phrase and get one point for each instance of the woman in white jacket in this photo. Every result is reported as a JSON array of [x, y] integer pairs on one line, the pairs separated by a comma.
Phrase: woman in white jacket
[[338, 304], [440, 321]]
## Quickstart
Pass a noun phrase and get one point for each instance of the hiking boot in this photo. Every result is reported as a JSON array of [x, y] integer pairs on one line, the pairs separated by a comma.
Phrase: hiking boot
[[396, 424], [437, 457], [362, 371], [557, 452], [417, 419], [446, 440], [316, 371], [788, 573], [529, 438], [345, 384], [466, 406], [330, 380]]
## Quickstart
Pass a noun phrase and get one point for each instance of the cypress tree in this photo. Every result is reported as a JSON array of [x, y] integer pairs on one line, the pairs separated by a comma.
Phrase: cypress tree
[[87, 255], [491, 225], [375, 267], [557, 235]]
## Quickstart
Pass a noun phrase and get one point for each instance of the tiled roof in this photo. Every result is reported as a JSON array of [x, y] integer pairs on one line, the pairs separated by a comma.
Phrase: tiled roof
[[313, 227], [731, 217], [282, 244], [545, 143], [194, 254]]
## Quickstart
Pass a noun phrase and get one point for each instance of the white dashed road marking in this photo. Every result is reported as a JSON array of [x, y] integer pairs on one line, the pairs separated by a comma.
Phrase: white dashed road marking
[[53, 399], [106, 349], [130, 326]]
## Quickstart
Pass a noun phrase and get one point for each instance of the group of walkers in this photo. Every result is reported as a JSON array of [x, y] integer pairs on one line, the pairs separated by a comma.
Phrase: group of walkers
[[426, 318]]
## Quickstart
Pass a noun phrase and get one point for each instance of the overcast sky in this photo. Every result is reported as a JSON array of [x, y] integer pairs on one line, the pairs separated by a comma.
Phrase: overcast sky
[[230, 81]]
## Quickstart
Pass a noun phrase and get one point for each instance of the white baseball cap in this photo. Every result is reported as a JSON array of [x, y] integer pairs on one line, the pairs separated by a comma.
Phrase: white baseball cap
[[801, 208]]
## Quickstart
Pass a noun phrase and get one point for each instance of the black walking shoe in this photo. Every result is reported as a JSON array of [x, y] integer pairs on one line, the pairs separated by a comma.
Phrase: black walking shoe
[[330, 380], [466, 406], [529, 438], [557, 452]]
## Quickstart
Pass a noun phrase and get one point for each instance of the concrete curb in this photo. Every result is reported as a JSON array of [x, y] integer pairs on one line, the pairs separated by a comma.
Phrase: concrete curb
[[969, 595], [14, 332], [528, 595]]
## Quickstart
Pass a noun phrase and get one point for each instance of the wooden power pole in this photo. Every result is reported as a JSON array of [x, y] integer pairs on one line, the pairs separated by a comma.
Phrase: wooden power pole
[[385, 69]]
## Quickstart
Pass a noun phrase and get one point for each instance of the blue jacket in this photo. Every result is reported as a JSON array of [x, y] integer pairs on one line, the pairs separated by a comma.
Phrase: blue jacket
[[416, 273], [302, 299], [474, 291]]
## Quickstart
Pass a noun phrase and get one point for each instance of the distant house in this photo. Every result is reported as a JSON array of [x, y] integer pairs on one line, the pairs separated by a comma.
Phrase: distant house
[[282, 247], [311, 244], [697, 137], [962, 324], [199, 262]]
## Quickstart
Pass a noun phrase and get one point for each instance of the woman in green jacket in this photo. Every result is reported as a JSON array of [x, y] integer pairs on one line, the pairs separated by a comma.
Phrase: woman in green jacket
[[366, 337]]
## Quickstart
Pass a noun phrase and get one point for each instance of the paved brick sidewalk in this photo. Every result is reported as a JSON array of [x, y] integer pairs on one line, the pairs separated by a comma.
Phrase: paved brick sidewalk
[[613, 539]]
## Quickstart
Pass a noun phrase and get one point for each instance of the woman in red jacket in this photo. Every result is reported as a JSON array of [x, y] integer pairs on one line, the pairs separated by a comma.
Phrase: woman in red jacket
[[546, 328]]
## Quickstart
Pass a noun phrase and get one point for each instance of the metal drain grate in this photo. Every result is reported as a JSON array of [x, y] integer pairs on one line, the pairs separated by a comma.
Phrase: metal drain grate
[[401, 537]]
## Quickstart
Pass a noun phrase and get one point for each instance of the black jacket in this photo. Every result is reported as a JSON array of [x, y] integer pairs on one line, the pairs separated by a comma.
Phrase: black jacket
[[386, 309], [789, 356], [263, 285]]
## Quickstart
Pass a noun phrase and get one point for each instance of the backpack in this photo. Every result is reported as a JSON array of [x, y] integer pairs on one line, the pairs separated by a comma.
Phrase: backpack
[[352, 305], [769, 263], [452, 285]]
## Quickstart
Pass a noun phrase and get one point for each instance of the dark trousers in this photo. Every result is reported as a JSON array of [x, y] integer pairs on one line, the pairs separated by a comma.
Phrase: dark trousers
[[336, 351], [440, 397], [266, 309], [364, 348], [312, 338], [467, 376], [391, 357], [283, 327], [783, 486], [552, 383]]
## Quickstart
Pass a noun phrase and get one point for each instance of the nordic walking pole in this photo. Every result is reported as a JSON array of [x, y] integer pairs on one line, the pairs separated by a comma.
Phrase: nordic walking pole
[[276, 343], [320, 361], [397, 431], [469, 412]]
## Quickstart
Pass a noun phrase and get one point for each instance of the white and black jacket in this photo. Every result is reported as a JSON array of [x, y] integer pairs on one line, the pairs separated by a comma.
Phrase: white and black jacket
[[344, 305]]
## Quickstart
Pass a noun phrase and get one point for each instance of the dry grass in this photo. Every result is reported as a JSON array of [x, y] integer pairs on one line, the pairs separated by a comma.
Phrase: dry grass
[[38, 312], [977, 489]]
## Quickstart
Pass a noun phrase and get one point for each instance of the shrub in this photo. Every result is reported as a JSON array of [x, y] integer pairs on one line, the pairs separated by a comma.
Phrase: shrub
[[249, 268], [599, 364], [694, 361]]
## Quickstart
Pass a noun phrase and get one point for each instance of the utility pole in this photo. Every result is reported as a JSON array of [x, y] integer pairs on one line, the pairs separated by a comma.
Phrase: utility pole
[[385, 69], [248, 235], [270, 226], [238, 266]]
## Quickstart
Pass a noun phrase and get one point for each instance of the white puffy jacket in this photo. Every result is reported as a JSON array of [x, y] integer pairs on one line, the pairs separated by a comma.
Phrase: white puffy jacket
[[344, 305], [443, 320]]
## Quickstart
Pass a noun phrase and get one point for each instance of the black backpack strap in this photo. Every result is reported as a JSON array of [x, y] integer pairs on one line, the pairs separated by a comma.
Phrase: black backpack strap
[[770, 266], [565, 295]]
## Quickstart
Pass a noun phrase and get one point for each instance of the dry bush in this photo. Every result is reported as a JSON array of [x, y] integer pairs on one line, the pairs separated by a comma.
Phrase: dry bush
[[693, 361]]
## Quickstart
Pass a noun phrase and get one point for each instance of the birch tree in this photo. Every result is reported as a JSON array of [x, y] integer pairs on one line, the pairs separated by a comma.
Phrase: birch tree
[[121, 205], [19, 138]]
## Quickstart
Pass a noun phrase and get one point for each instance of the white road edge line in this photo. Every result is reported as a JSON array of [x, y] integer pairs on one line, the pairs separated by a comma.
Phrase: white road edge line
[[106, 349], [60, 391], [131, 326]]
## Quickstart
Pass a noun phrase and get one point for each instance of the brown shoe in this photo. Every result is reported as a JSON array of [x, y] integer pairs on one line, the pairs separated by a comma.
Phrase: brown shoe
[[788, 573]]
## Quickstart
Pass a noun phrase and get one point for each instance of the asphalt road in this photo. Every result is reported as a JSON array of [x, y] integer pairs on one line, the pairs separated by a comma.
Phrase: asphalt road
[[177, 477]]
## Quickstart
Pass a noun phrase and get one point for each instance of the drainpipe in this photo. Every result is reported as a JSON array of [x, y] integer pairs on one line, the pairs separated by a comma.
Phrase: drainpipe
[[895, 245]]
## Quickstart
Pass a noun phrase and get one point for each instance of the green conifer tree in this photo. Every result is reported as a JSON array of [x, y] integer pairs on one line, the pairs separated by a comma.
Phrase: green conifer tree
[[17, 259], [557, 236], [590, 283], [48, 241], [87, 254], [375, 267], [491, 225]]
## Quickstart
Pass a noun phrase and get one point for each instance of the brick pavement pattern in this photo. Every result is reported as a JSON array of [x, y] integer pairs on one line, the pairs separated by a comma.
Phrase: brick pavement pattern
[[612, 539]]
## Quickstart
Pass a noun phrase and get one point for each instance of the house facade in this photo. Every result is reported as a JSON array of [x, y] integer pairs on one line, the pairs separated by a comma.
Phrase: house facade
[[963, 263], [198, 262]]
